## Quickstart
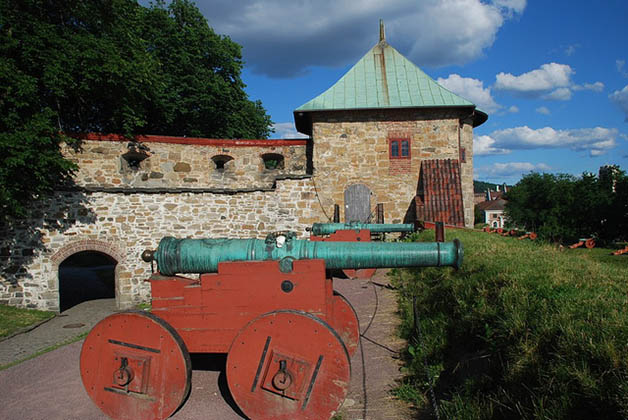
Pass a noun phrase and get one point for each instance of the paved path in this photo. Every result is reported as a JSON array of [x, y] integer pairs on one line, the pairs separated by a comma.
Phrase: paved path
[[49, 386], [62, 328]]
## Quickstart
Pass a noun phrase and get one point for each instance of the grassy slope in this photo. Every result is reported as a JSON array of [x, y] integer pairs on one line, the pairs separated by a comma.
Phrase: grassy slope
[[523, 330], [13, 319]]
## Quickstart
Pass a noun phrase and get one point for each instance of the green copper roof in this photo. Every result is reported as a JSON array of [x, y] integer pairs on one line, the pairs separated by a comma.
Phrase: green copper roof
[[383, 78]]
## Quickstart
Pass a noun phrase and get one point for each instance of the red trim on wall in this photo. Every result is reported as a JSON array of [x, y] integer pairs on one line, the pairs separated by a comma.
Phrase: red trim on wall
[[194, 140]]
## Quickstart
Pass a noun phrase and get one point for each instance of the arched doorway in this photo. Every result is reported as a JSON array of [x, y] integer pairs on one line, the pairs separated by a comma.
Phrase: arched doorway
[[86, 275]]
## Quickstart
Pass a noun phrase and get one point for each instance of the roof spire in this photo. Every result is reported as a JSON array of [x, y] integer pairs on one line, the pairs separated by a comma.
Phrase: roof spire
[[382, 32]]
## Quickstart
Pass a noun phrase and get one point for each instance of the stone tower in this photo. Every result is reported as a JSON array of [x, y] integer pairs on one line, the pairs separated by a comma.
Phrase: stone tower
[[373, 129]]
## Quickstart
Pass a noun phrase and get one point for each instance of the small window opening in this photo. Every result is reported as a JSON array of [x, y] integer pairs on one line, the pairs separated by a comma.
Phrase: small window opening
[[136, 153], [273, 161], [221, 161]]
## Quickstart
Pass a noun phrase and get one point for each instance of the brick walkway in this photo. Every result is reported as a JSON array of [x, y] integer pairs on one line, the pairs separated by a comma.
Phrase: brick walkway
[[49, 386]]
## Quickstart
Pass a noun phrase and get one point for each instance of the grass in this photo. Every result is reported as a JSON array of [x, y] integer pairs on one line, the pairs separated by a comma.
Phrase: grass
[[14, 319], [523, 330]]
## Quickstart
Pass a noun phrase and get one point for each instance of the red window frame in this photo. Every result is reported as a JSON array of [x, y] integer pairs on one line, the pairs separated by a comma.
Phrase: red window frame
[[396, 148]]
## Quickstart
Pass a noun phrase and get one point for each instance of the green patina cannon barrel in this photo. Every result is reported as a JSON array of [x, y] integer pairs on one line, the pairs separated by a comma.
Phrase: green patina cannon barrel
[[203, 255], [329, 228]]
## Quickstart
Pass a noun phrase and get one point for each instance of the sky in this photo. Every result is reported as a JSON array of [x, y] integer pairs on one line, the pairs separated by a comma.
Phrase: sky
[[551, 75]]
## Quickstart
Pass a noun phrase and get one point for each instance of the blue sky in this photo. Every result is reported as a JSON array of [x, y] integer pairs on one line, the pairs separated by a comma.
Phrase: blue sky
[[552, 75]]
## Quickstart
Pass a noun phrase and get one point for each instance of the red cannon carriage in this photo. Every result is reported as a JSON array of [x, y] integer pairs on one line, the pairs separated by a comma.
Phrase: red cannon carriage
[[269, 304]]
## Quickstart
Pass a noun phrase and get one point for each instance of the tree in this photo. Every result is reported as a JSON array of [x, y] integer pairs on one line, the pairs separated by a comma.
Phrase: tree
[[564, 208], [109, 66]]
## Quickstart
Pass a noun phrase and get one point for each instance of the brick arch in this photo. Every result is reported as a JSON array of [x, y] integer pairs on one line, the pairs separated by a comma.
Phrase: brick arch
[[90, 245], [87, 245]]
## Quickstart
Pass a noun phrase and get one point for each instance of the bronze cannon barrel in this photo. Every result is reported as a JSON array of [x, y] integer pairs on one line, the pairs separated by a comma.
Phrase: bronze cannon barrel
[[329, 228], [203, 255]]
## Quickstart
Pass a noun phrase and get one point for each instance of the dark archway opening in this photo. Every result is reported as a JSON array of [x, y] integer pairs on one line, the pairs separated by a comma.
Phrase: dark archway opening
[[86, 275]]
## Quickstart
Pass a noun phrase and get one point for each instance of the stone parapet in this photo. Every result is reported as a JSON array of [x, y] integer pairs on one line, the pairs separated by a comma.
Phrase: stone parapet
[[177, 162]]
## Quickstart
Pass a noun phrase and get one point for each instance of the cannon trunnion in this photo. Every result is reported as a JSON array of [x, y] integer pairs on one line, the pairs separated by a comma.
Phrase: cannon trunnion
[[269, 304]]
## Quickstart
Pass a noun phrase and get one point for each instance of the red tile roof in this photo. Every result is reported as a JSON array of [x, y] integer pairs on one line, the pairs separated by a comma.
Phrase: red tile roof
[[498, 204], [439, 196]]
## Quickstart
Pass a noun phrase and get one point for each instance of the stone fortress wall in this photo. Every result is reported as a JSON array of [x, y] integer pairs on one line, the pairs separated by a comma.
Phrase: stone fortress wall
[[128, 195], [177, 190]]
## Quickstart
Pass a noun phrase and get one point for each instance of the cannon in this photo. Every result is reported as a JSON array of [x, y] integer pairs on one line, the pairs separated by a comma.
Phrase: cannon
[[268, 304], [320, 229], [355, 232]]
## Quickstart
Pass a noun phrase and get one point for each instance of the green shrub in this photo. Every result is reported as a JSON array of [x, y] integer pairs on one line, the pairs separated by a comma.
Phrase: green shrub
[[523, 330]]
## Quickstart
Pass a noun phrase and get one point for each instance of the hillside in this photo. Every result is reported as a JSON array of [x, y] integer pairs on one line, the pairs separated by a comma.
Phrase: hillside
[[537, 333]]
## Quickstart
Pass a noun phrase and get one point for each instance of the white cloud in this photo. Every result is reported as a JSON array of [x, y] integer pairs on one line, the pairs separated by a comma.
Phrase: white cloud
[[546, 78], [571, 50], [551, 81], [513, 109], [282, 38], [595, 141], [516, 6], [485, 145], [543, 110], [560, 94], [510, 170], [620, 67], [471, 89], [286, 130], [620, 97], [595, 87]]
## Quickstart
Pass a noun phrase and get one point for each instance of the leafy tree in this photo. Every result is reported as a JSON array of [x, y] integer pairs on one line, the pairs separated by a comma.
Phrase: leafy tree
[[482, 186], [109, 66], [564, 208]]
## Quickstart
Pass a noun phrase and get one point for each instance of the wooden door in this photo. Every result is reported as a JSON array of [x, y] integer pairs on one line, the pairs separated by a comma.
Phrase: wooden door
[[357, 203]]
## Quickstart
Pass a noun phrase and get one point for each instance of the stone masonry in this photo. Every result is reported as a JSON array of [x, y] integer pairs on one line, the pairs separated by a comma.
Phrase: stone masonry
[[179, 187], [352, 147], [116, 211]]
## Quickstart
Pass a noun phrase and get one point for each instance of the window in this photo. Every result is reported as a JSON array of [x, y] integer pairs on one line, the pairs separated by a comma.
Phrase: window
[[273, 161], [399, 148], [221, 162], [136, 153]]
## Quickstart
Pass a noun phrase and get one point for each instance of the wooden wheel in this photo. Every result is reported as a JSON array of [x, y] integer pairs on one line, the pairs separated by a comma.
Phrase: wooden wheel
[[135, 366], [344, 320], [288, 365]]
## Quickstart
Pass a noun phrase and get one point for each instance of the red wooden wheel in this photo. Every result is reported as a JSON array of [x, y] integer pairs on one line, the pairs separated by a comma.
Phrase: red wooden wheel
[[135, 366], [361, 273], [288, 365], [344, 320]]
